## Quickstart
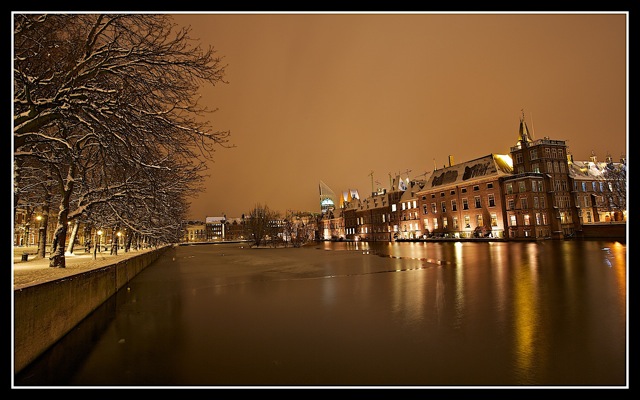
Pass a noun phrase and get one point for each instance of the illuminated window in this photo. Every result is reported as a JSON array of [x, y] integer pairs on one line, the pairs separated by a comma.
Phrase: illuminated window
[[445, 223], [433, 208], [526, 219], [494, 219], [512, 220], [393, 207], [435, 223], [455, 222]]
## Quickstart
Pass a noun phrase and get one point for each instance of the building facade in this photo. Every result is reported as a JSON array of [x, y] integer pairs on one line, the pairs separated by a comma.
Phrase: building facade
[[535, 192]]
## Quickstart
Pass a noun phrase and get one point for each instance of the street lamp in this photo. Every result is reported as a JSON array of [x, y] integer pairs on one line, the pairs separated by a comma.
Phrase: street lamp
[[99, 240], [39, 219]]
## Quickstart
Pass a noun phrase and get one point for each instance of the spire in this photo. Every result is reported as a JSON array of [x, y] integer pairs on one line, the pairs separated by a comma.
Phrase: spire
[[523, 132]]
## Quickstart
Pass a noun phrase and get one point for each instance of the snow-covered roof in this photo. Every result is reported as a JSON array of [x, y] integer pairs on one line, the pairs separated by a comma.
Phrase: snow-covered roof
[[589, 169], [492, 165]]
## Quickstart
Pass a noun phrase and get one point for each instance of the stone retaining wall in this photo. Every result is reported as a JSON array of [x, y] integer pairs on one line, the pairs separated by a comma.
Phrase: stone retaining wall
[[44, 313]]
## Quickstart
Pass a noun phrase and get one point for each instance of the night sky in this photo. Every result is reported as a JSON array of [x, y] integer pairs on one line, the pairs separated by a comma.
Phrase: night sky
[[334, 96]]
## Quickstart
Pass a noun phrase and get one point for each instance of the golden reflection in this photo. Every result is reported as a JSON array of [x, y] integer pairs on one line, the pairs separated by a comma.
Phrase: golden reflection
[[498, 263], [459, 265], [526, 309], [618, 258]]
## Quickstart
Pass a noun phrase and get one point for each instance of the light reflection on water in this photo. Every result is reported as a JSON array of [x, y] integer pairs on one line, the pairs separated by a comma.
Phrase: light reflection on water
[[367, 314]]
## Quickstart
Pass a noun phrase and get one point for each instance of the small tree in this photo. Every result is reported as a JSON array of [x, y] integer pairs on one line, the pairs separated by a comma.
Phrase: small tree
[[616, 179], [257, 224]]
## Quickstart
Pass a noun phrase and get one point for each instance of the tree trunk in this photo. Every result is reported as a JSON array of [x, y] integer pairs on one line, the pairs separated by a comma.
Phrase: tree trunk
[[95, 245], [56, 259], [72, 238]]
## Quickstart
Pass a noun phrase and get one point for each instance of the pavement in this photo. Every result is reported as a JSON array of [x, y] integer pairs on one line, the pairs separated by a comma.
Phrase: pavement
[[37, 270]]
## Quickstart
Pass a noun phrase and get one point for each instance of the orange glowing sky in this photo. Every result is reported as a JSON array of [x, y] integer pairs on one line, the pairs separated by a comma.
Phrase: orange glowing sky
[[333, 96]]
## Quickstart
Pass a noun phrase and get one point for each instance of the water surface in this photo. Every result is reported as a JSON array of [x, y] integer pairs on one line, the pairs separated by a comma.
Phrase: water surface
[[356, 314]]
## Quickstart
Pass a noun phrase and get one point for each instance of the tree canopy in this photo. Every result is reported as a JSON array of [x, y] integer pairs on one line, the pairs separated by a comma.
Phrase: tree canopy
[[107, 123]]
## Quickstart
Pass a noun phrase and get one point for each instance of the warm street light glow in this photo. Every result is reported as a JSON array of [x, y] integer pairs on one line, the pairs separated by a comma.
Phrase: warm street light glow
[[99, 233], [39, 218]]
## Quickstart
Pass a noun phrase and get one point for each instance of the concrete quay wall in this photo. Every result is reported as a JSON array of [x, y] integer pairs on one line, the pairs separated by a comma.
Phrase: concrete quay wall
[[44, 313], [605, 230]]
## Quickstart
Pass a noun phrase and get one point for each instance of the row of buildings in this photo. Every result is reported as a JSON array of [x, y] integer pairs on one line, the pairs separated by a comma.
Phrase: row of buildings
[[536, 192]]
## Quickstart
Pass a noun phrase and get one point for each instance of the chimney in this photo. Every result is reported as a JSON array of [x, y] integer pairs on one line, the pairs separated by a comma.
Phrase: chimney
[[450, 160]]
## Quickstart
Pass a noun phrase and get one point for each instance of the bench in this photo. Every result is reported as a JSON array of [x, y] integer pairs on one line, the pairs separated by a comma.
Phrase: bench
[[26, 254]]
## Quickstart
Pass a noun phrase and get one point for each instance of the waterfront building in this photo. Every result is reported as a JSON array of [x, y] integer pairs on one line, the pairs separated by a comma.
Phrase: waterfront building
[[373, 216], [235, 228], [540, 203], [465, 200], [194, 231], [535, 192], [406, 209], [216, 228], [599, 189]]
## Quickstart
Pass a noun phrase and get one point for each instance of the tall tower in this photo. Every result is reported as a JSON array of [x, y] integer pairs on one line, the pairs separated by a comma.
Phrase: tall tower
[[327, 198], [547, 159]]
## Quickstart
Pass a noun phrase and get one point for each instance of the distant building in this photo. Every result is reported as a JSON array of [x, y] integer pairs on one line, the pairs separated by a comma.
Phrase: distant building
[[327, 198], [194, 231], [216, 228], [535, 192]]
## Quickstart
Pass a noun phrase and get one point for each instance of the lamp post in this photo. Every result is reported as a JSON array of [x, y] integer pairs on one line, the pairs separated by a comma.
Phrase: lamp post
[[40, 241], [99, 240], [119, 234]]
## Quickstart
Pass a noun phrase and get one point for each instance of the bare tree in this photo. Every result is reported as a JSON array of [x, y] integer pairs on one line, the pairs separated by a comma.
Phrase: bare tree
[[615, 176], [258, 224], [107, 101]]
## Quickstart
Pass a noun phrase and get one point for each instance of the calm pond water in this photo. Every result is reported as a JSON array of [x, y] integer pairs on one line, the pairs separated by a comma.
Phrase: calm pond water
[[443, 314]]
